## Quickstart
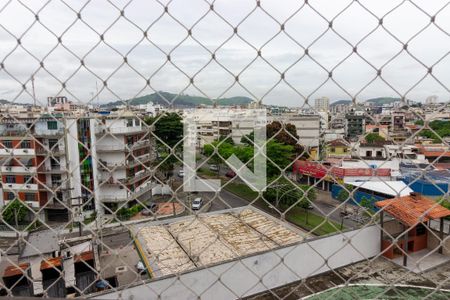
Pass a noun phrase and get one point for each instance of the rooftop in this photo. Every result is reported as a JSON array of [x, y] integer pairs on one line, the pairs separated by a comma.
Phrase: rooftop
[[413, 208], [186, 243], [393, 188], [40, 242]]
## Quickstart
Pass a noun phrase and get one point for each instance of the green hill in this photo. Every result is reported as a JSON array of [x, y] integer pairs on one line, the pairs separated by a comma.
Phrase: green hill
[[165, 99], [340, 102], [383, 100]]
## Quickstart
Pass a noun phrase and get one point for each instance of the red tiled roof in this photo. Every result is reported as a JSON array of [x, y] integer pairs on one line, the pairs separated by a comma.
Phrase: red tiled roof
[[51, 263], [16, 270], [412, 209], [85, 256], [337, 143]]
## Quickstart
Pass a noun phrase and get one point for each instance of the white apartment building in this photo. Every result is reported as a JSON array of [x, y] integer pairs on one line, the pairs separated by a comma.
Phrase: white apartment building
[[322, 104], [236, 123], [307, 126]]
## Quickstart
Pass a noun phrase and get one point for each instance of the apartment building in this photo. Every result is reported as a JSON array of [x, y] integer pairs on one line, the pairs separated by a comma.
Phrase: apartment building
[[322, 104], [355, 123], [123, 152], [55, 162]]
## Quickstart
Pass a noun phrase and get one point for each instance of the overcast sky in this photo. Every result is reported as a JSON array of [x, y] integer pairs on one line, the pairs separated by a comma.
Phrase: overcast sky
[[236, 54]]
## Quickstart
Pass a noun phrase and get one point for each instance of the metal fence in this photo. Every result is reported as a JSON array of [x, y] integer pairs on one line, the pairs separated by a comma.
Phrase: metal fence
[[131, 164]]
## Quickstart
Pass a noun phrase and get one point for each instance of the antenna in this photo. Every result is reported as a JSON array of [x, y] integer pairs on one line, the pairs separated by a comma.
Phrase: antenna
[[34, 91], [96, 87]]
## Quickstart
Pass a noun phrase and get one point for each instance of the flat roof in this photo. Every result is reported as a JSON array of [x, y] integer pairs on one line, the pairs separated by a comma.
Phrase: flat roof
[[40, 242], [185, 243], [392, 188]]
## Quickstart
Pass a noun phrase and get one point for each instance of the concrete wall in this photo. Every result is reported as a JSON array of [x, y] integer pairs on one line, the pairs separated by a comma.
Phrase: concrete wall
[[434, 242], [241, 277]]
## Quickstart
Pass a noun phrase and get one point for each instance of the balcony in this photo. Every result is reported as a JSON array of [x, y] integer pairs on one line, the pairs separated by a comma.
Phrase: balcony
[[108, 166], [17, 169], [32, 204], [124, 196], [13, 132], [20, 186], [100, 130], [55, 151], [4, 152], [51, 170], [130, 163], [110, 148], [45, 133], [139, 160], [138, 176]]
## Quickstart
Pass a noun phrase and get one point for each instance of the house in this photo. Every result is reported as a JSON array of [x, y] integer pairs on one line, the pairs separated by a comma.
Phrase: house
[[337, 149], [409, 236]]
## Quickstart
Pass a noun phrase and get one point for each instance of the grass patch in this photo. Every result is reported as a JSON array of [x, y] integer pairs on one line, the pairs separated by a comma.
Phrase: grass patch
[[312, 222], [241, 190], [295, 215], [206, 172]]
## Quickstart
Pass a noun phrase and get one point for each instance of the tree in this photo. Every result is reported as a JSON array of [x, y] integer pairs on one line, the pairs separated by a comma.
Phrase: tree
[[367, 204], [280, 156], [224, 149], [168, 128], [343, 195], [372, 138], [15, 212]]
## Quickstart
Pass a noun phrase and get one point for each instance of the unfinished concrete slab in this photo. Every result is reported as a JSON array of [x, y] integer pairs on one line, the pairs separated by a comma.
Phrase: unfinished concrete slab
[[182, 244], [422, 260]]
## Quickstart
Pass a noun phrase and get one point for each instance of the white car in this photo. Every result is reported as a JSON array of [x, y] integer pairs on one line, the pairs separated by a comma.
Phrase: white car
[[214, 168], [197, 203], [181, 173]]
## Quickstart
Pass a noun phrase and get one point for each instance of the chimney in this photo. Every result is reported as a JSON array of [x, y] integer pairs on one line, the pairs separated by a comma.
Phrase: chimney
[[415, 195]]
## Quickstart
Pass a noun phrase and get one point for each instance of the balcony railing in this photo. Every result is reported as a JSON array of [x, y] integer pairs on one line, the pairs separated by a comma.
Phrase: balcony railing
[[18, 169], [52, 169], [20, 186], [53, 151], [147, 187], [17, 152], [49, 133], [118, 130]]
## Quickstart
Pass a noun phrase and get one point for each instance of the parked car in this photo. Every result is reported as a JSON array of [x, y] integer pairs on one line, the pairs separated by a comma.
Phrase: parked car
[[181, 173], [214, 168], [150, 209], [197, 203], [230, 174]]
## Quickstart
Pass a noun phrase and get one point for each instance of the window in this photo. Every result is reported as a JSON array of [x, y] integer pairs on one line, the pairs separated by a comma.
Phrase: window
[[30, 197], [10, 196], [25, 144], [56, 179], [333, 150], [54, 163], [369, 153], [129, 122], [7, 144], [27, 179], [52, 125], [10, 179], [52, 143]]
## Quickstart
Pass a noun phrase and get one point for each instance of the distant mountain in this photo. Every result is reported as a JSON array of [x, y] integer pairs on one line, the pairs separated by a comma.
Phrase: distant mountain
[[383, 100], [165, 99], [340, 102], [3, 101]]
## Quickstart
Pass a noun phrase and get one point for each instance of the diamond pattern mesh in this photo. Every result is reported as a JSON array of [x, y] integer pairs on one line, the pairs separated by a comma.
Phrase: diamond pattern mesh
[[94, 178]]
